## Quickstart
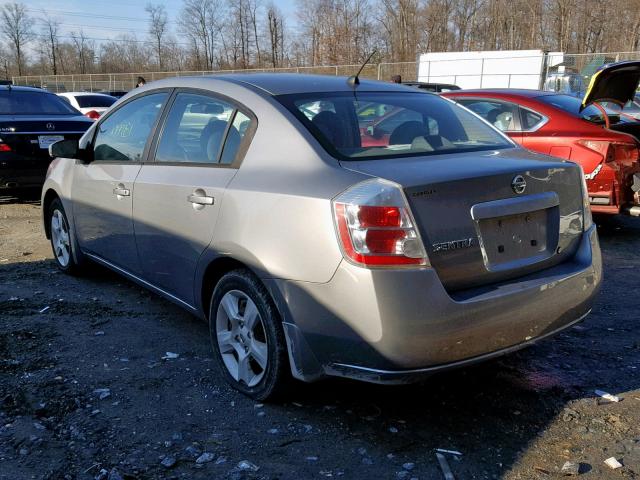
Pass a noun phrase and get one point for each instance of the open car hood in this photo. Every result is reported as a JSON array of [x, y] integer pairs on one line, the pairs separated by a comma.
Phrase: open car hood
[[615, 82]]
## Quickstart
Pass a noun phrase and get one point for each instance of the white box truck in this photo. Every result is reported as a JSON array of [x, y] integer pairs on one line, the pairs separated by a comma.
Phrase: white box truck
[[488, 69]]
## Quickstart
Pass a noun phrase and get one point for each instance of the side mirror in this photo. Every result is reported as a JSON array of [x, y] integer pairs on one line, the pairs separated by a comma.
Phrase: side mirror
[[67, 149]]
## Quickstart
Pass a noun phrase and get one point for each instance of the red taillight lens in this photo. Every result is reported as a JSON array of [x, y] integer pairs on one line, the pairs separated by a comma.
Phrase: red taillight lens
[[92, 114], [4, 147], [375, 227], [371, 216]]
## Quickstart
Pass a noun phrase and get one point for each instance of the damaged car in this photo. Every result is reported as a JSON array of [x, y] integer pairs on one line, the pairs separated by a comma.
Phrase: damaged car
[[252, 202]]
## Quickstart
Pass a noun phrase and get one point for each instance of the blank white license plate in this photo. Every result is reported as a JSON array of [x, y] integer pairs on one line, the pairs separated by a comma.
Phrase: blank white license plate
[[45, 140]]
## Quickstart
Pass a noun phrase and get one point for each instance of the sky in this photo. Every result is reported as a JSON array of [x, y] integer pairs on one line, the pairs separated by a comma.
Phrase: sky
[[108, 19]]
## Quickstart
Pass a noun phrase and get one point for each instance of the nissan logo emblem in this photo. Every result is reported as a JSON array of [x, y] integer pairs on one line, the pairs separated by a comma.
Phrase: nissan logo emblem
[[51, 126], [519, 184]]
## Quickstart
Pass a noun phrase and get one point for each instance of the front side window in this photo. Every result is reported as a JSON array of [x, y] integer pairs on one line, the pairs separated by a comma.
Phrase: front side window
[[499, 114], [123, 135], [201, 129], [369, 125], [22, 102]]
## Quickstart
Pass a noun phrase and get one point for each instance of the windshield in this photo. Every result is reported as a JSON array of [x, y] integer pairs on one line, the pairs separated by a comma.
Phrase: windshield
[[373, 125], [86, 101], [572, 105], [21, 102]]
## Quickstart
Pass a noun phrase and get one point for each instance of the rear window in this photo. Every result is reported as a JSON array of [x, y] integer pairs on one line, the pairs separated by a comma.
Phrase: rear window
[[88, 101], [572, 105], [370, 125], [16, 102]]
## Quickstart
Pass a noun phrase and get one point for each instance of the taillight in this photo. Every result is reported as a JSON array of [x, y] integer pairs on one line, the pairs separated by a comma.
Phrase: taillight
[[375, 226], [92, 114], [4, 147], [587, 218], [613, 152]]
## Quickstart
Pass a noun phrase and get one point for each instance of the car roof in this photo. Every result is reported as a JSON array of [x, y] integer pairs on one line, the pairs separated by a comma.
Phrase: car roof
[[82, 94], [521, 92], [288, 83], [22, 89]]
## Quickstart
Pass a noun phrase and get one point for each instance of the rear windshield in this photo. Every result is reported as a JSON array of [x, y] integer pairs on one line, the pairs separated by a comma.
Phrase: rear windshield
[[572, 105], [15, 102], [88, 101], [370, 125]]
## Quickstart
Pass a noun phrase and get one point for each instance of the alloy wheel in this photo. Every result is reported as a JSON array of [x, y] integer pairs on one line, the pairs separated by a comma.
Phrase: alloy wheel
[[242, 338], [60, 238]]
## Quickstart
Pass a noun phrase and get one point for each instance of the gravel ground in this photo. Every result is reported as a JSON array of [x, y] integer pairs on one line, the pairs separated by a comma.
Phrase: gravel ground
[[87, 390]]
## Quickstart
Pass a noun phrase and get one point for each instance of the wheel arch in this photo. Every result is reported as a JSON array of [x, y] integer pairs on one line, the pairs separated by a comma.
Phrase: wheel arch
[[47, 200], [214, 271], [302, 361]]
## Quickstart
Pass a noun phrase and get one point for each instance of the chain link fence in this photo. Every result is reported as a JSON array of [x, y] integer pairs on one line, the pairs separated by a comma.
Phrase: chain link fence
[[559, 72], [104, 82]]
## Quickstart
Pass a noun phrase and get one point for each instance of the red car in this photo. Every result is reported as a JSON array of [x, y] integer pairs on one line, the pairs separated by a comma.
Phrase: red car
[[604, 144]]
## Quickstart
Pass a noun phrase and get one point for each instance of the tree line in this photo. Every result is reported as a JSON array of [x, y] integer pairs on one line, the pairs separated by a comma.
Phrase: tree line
[[238, 34]]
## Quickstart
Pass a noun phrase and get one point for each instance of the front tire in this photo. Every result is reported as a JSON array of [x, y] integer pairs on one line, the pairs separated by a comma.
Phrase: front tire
[[247, 337], [61, 240]]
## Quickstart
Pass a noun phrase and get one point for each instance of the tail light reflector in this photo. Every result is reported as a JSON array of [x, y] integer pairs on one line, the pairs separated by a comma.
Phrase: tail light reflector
[[4, 147], [92, 114], [375, 226]]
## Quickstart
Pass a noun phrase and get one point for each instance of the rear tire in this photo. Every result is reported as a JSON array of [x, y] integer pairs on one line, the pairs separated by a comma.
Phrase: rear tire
[[62, 244], [247, 337]]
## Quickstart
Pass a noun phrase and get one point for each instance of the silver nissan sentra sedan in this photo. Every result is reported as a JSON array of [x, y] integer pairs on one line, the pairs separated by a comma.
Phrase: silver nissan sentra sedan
[[325, 226]]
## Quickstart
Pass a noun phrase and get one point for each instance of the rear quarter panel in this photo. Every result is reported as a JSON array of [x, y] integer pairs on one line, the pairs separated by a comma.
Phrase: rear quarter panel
[[276, 214]]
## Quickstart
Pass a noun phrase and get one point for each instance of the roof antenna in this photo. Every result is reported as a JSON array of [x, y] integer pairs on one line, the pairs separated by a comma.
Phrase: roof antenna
[[354, 81]]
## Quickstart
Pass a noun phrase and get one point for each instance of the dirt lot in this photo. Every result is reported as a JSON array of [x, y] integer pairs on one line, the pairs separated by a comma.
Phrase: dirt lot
[[86, 390]]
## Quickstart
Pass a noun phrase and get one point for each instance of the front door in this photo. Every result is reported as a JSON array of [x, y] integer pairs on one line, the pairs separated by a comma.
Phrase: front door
[[178, 196], [103, 188]]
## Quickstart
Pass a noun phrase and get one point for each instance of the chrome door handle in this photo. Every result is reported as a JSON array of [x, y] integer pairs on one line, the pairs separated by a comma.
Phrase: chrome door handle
[[200, 199], [122, 192]]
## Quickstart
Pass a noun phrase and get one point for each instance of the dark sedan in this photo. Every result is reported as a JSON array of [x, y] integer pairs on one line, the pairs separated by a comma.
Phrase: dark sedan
[[31, 119]]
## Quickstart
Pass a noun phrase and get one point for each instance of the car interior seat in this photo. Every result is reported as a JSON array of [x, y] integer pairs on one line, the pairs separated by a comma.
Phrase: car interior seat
[[406, 132], [331, 126], [211, 139], [504, 121]]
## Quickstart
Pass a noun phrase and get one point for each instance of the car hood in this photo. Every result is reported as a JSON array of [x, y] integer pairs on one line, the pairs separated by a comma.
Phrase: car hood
[[615, 82]]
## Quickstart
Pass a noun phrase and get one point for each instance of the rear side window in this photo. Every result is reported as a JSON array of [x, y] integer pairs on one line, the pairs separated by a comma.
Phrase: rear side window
[[88, 101], [369, 125], [530, 119], [501, 115], [123, 135], [201, 129], [21, 102]]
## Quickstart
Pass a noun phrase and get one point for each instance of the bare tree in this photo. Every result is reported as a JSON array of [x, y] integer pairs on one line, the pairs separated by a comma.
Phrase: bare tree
[[158, 29], [16, 24], [200, 23], [84, 50], [275, 23], [50, 41]]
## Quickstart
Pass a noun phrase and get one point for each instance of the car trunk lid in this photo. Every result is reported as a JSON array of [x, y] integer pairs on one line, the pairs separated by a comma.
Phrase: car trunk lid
[[30, 136], [485, 217], [615, 82]]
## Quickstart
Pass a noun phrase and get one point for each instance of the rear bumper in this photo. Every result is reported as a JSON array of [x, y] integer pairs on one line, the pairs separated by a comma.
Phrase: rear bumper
[[397, 325], [17, 171]]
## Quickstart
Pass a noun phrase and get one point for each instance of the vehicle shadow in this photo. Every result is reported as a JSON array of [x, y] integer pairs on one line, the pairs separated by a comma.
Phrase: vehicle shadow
[[29, 196]]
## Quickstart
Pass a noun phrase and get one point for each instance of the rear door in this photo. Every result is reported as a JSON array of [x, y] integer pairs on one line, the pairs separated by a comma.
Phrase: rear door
[[178, 194], [103, 188]]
